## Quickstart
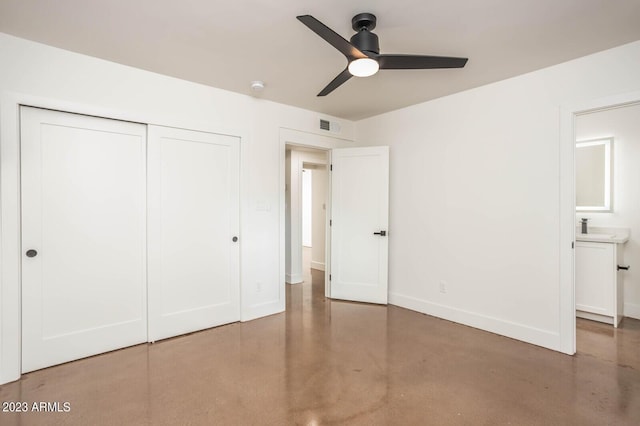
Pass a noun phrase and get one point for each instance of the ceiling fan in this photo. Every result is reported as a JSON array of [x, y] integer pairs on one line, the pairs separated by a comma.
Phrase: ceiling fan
[[363, 52]]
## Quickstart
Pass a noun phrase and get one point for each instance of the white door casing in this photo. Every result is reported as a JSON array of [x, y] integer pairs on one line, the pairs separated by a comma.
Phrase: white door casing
[[193, 190], [84, 212], [359, 215]]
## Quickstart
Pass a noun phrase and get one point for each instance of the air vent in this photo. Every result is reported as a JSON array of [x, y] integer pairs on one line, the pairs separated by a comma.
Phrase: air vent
[[330, 126]]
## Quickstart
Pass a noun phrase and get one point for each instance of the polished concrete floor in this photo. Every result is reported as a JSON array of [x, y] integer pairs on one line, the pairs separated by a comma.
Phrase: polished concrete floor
[[327, 362]]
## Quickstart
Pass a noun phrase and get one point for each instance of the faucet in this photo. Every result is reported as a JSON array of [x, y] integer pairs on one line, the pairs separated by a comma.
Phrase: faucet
[[584, 225]]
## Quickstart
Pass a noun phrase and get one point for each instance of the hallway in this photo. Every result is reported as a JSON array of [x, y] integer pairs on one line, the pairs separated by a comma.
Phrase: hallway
[[331, 362]]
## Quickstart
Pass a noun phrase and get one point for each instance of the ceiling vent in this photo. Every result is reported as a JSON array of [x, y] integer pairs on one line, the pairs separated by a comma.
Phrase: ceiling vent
[[330, 126]]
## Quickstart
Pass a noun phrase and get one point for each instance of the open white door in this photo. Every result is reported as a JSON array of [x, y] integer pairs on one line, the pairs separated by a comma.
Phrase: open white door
[[193, 190], [359, 229]]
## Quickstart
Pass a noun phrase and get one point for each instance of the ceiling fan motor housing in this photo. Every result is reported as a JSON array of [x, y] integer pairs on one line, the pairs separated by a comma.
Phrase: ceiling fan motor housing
[[364, 39]]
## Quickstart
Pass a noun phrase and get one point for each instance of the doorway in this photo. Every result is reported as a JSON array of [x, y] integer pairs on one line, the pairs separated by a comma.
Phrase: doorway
[[569, 135], [315, 182], [356, 224], [605, 273], [306, 199]]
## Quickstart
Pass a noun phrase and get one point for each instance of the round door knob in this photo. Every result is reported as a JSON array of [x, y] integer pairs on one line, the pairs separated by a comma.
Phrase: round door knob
[[234, 239], [32, 253]]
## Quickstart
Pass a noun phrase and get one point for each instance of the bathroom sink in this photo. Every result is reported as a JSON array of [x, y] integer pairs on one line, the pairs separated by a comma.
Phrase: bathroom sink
[[604, 235], [595, 236], [602, 238]]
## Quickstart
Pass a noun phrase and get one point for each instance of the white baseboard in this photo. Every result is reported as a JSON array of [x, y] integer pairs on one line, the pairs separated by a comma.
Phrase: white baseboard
[[594, 317], [632, 310], [262, 310], [294, 278], [317, 265], [536, 336]]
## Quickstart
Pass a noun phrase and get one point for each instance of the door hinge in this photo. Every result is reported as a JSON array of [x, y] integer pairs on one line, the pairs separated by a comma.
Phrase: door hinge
[[330, 222], [572, 244], [331, 167], [329, 277]]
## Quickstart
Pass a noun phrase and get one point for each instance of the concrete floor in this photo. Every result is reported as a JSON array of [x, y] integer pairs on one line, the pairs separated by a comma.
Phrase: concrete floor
[[327, 362]]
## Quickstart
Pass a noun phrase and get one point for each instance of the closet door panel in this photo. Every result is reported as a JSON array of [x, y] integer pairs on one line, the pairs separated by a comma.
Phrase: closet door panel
[[83, 236], [193, 191]]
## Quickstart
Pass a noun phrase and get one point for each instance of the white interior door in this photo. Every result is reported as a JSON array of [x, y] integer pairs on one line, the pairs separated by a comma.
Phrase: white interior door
[[360, 217], [193, 218], [83, 236]]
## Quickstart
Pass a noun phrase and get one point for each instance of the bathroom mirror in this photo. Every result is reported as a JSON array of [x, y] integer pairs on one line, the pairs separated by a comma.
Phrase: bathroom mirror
[[594, 175]]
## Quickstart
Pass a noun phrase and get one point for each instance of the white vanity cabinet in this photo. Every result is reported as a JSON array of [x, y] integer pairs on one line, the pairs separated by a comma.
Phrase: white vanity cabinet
[[599, 284]]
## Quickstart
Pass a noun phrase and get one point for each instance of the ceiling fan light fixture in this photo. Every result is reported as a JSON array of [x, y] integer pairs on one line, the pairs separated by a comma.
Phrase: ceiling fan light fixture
[[363, 67], [363, 52]]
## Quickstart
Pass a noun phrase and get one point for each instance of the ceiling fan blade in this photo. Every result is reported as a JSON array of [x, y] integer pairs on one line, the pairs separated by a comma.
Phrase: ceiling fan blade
[[336, 82], [331, 37], [417, 62]]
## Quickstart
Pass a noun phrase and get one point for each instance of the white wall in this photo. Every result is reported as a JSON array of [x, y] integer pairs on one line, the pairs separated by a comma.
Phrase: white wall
[[624, 125], [475, 195], [49, 76], [319, 208]]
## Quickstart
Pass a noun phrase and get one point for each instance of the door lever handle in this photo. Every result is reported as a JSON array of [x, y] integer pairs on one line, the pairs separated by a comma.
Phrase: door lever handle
[[381, 233], [624, 268]]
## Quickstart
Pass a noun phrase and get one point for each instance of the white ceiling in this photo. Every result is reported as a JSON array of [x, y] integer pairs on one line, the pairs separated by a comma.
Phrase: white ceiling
[[228, 44]]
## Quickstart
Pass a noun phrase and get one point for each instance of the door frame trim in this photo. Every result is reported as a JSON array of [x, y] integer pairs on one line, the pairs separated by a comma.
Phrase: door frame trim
[[568, 114], [10, 211]]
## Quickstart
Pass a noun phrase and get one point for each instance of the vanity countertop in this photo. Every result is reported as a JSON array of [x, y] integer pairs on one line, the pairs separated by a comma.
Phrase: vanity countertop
[[604, 235]]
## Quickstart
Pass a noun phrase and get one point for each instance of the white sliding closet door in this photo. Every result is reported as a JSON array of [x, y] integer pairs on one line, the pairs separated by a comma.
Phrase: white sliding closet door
[[193, 190], [83, 236]]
